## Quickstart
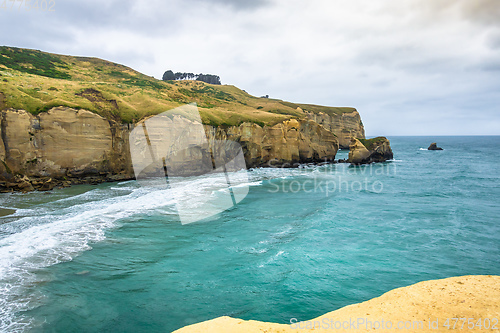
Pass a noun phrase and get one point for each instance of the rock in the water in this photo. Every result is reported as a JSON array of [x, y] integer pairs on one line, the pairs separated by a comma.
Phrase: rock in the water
[[363, 151], [434, 146]]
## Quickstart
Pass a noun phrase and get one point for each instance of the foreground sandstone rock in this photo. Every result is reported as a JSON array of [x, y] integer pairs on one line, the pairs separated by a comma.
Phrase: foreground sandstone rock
[[422, 307], [363, 151]]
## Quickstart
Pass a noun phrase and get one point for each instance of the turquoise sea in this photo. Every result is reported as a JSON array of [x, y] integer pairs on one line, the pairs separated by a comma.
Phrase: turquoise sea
[[306, 241]]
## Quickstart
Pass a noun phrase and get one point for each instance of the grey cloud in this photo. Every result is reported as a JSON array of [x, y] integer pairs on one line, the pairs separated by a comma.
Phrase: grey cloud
[[489, 65], [417, 54], [494, 40], [407, 58], [89, 13], [92, 22], [150, 18], [33, 30], [238, 4], [486, 12]]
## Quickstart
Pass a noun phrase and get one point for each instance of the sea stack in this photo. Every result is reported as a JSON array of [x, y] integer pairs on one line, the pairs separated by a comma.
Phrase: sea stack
[[364, 151], [434, 146]]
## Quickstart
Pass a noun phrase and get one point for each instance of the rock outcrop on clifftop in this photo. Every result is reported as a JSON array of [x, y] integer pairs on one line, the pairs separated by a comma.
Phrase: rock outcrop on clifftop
[[364, 151]]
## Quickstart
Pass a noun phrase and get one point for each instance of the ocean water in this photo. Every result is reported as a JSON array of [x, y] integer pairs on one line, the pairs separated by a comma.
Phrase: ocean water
[[116, 258]]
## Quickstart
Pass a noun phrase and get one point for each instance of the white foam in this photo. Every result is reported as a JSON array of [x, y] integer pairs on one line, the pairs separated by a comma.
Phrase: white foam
[[54, 232], [126, 182], [44, 237], [122, 188], [272, 259], [257, 183]]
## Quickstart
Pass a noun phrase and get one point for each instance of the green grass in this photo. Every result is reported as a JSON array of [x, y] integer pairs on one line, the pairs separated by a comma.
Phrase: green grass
[[212, 92], [371, 143], [36, 81], [33, 62], [330, 110]]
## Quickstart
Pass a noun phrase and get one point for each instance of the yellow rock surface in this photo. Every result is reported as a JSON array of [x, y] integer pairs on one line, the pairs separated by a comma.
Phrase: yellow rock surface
[[357, 152], [345, 126], [422, 307]]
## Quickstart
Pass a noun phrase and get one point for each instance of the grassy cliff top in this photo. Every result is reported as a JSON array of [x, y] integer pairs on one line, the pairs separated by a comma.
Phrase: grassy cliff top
[[371, 143], [37, 81]]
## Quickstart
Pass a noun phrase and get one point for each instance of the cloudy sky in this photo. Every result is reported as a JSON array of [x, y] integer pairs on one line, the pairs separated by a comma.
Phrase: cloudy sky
[[411, 67]]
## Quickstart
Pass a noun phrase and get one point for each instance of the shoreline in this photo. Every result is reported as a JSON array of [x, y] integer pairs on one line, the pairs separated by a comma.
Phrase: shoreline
[[25, 184], [421, 307]]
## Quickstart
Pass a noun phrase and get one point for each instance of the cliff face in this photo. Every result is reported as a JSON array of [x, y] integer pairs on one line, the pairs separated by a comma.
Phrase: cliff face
[[345, 126], [292, 141], [63, 143], [65, 146]]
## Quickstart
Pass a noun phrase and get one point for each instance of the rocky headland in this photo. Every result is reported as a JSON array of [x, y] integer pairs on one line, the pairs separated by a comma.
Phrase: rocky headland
[[65, 146], [67, 120]]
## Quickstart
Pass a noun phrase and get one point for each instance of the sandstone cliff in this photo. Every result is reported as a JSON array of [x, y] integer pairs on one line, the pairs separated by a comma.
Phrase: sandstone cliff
[[66, 120], [72, 146], [292, 141], [345, 126], [66, 146]]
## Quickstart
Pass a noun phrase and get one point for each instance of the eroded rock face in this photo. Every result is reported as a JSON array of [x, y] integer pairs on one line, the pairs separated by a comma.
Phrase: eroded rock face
[[2, 148], [292, 141], [345, 126], [17, 137], [194, 148], [70, 139], [65, 146], [363, 151]]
